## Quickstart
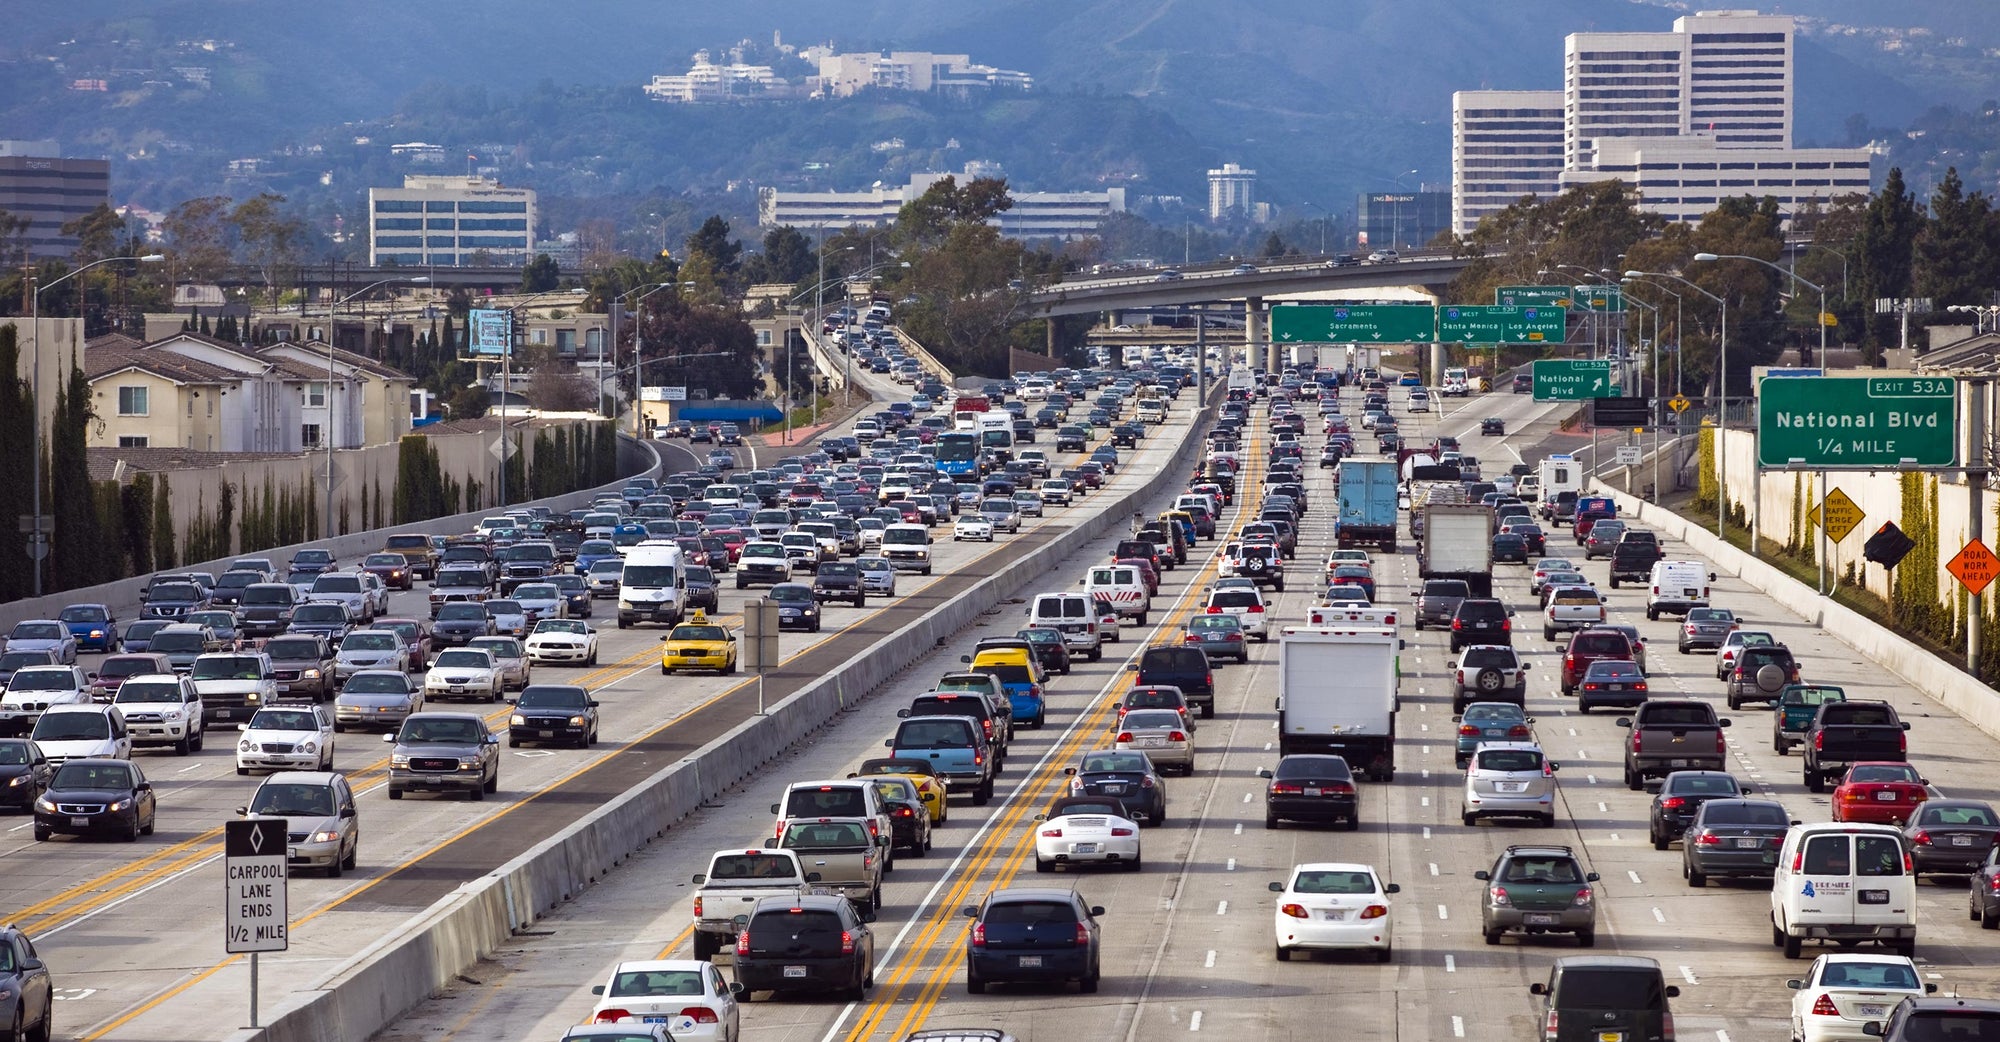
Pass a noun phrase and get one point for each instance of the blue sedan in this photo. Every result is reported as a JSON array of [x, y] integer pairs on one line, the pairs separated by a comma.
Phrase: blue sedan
[[1490, 722], [44, 635], [93, 626]]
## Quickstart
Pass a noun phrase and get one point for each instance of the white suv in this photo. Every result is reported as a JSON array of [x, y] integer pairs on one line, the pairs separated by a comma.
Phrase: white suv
[[288, 736], [1247, 604], [1489, 673]]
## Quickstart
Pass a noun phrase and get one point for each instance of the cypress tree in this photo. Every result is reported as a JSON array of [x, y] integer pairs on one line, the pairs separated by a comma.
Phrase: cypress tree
[[164, 556]]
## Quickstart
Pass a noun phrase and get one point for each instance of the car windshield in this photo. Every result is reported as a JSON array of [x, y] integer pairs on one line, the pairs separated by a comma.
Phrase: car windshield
[[792, 594], [176, 592], [370, 642], [561, 626], [376, 684], [337, 584], [228, 667], [293, 800], [498, 608], [551, 696], [83, 613], [141, 694], [293, 648], [320, 613], [38, 631], [283, 720], [383, 561], [699, 633], [537, 592], [42, 680], [453, 732], [126, 666], [1097, 762], [462, 611], [462, 659], [1882, 773], [501, 647], [15, 660], [1153, 719], [72, 727], [1334, 881], [13, 754], [100, 776]]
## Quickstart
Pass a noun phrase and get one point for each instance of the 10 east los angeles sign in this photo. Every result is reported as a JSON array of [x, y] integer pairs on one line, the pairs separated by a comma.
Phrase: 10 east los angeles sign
[[1857, 422]]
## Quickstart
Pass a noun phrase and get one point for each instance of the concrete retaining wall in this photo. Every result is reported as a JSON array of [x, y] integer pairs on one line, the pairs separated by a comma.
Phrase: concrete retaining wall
[[123, 595], [378, 985], [1937, 678]]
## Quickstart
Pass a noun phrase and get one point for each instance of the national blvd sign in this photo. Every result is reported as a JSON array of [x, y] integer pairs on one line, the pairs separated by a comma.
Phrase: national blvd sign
[[1354, 324], [1573, 379], [1857, 422]]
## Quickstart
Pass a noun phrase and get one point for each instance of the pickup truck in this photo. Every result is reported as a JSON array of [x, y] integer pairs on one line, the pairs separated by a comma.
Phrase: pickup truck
[[1846, 733], [1572, 608], [1671, 735], [843, 855], [1794, 710], [735, 881]]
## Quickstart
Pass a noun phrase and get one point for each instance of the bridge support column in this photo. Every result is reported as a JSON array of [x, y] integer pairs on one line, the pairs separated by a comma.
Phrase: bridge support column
[[1257, 333], [1436, 374], [1049, 327]]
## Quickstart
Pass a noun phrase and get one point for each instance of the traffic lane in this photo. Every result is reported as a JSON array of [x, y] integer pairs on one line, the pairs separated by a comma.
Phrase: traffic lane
[[641, 913], [391, 903]]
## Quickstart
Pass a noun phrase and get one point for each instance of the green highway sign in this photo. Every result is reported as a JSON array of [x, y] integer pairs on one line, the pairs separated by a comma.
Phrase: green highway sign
[[1534, 296], [1597, 298], [1850, 422], [1354, 324], [1479, 324], [1573, 379]]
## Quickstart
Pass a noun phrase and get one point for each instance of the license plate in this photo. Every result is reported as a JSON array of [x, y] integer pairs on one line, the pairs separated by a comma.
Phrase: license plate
[[1688, 593], [1495, 732], [1749, 843], [1677, 763], [1617, 687], [1031, 962], [795, 971], [1865, 1011], [1114, 790], [1152, 743], [1886, 797], [1511, 786], [653, 1020], [1083, 848], [1961, 841], [1538, 920], [458, 689], [1874, 897], [291, 852], [79, 822], [1314, 792]]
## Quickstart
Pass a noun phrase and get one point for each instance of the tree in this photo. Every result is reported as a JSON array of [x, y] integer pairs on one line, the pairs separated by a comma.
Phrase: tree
[[77, 557], [555, 385], [17, 427], [1274, 246], [712, 240], [540, 275], [13, 239], [1886, 248], [927, 220], [787, 257], [197, 233], [1955, 260], [271, 239], [96, 233], [469, 401], [687, 342]]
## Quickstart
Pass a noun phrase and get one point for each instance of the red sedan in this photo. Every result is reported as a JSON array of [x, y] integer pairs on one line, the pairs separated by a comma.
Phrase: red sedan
[[1881, 793]]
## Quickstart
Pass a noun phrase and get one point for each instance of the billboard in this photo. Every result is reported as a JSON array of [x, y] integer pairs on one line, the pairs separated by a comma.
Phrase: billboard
[[489, 333]]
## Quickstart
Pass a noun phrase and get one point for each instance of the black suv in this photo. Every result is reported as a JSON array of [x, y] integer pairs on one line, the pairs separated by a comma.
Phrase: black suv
[[1481, 621], [1183, 667], [1589, 997], [1633, 558], [839, 581]]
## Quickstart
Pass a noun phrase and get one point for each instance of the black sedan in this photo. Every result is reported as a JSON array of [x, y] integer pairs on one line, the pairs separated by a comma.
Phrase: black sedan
[[1734, 837], [1681, 795], [25, 980], [797, 607], [1128, 776], [1311, 787], [92, 797], [1950, 837], [1510, 547], [1049, 647], [554, 713], [1493, 425], [24, 773]]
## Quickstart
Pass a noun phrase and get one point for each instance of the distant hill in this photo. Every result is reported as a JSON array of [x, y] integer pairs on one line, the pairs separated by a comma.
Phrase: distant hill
[[1323, 98]]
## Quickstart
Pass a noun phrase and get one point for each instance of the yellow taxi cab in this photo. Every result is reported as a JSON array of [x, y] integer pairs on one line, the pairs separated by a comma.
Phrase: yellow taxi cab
[[930, 787], [698, 644]]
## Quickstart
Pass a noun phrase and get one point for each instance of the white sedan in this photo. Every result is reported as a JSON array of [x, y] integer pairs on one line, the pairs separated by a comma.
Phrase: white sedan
[[689, 996], [1420, 400], [563, 640], [1330, 906], [971, 526], [1844, 990], [1086, 830], [463, 673]]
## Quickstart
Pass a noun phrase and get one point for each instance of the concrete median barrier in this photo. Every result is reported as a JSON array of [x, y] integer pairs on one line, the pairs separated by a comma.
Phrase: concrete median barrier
[[375, 987]]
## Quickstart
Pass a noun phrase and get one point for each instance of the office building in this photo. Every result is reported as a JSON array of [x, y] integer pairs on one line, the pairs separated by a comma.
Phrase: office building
[[706, 81], [844, 75], [1504, 144], [450, 221], [1034, 215], [1684, 178], [1739, 78], [1401, 220], [1232, 190], [50, 191]]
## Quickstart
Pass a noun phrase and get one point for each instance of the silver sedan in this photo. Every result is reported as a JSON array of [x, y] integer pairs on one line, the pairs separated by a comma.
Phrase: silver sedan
[[1162, 734]]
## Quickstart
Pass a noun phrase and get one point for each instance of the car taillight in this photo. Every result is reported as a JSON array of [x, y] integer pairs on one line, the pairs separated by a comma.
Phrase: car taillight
[[1582, 897], [1666, 1026], [1819, 741], [1283, 789], [1506, 625], [1458, 624], [905, 812], [1257, 608], [610, 1016], [1909, 864], [1295, 911], [1824, 1007], [1176, 736], [1499, 895], [1922, 838], [697, 906], [1672, 803], [1903, 742], [1549, 1025], [1468, 730], [1518, 731], [1123, 832], [1994, 884], [979, 935], [1705, 838], [700, 1015], [1146, 782], [1082, 936], [1124, 736], [1213, 610], [1720, 745], [846, 942], [743, 943], [874, 827], [1374, 911]]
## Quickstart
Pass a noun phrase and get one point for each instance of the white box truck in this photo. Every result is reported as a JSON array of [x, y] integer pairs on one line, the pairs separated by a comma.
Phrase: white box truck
[[1458, 544], [1557, 473], [1337, 694]]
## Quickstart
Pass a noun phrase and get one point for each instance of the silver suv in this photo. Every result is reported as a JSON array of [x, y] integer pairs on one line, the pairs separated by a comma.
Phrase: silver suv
[[1438, 601], [1509, 779]]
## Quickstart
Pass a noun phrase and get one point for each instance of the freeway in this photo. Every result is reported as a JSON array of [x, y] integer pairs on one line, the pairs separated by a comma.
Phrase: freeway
[[1188, 941], [133, 932]]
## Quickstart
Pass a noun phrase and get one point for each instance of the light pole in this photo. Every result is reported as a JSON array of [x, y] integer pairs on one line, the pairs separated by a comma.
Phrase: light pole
[[1983, 315], [507, 375], [1819, 319], [1842, 254], [326, 434], [40, 544], [1721, 393], [638, 337], [1678, 301], [1325, 217], [819, 311]]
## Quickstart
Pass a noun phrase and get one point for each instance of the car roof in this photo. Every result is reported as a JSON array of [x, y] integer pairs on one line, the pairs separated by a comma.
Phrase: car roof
[[1031, 893], [301, 777], [1606, 962]]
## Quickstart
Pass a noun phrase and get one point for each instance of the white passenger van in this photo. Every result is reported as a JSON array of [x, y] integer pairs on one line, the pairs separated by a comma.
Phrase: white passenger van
[[653, 586], [1845, 883], [1676, 586], [1075, 615]]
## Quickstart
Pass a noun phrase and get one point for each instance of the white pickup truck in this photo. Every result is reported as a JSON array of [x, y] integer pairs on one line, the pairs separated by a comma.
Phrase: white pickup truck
[[1572, 608], [735, 881]]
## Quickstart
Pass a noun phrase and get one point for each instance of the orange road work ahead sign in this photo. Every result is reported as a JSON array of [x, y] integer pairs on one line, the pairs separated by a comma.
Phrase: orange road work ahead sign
[[1975, 566]]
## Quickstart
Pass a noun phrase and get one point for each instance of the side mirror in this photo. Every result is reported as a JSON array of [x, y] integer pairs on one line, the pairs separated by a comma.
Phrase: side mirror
[[1711, 577], [887, 743], [1483, 875], [970, 911], [242, 727], [812, 877], [1264, 772], [1096, 910], [1724, 722], [1795, 984], [965, 659], [1906, 725], [1131, 667], [347, 811], [1276, 888], [1392, 888], [1623, 721], [592, 703], [699, 878], [1673, 991], [774, 808], [390, 738], [242, 812], [1590, 877], [1537, 988], [597, 989], [1930, 989]]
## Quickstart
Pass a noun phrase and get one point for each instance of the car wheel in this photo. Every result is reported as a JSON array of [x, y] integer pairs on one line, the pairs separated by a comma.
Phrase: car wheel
[[1044, 866], [1989, 918], [1586, 938], [395, 793], [1283, 953], [1088, 985], [1792, 946], [243, 771], [1660, 842], [973, 985], [185, 745], [1467, 818], [1697, 880], [513, 742], [1492, 936]]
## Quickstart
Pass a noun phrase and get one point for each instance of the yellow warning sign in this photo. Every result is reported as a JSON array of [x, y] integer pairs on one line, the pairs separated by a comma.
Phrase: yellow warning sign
[[1679, 403], [1841, 515]]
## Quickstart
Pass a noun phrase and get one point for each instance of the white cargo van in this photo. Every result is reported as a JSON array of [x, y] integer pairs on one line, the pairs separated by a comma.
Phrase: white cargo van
[[1124, 587], [653, 586], [1152, 410], [1845, 883], [1075, 615], [1676, 586]]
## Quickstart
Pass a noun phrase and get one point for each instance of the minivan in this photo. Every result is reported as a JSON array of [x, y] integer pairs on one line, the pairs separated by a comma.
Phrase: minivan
[[1845, 883], [1592, 997], [1074, 615]]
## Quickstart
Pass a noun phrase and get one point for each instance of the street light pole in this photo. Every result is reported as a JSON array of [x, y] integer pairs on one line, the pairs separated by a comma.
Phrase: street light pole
[[39, 537], [638, 336], [1819, 319], [1721, 392], [326, 435], [507, 376]]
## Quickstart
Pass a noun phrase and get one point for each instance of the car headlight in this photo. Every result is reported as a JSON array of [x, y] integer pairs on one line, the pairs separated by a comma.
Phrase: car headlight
[[517, 720], [19, 780], [42, 803], [399, 759], [468, 763], [308, 747], [116, 806], [323, 836], [576, 721]]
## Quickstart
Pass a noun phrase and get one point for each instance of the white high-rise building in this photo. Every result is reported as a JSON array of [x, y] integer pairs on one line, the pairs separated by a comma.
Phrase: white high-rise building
[[1504, 144], [1620, 85], [1231, 188], [1738, 84], [448, 221]]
